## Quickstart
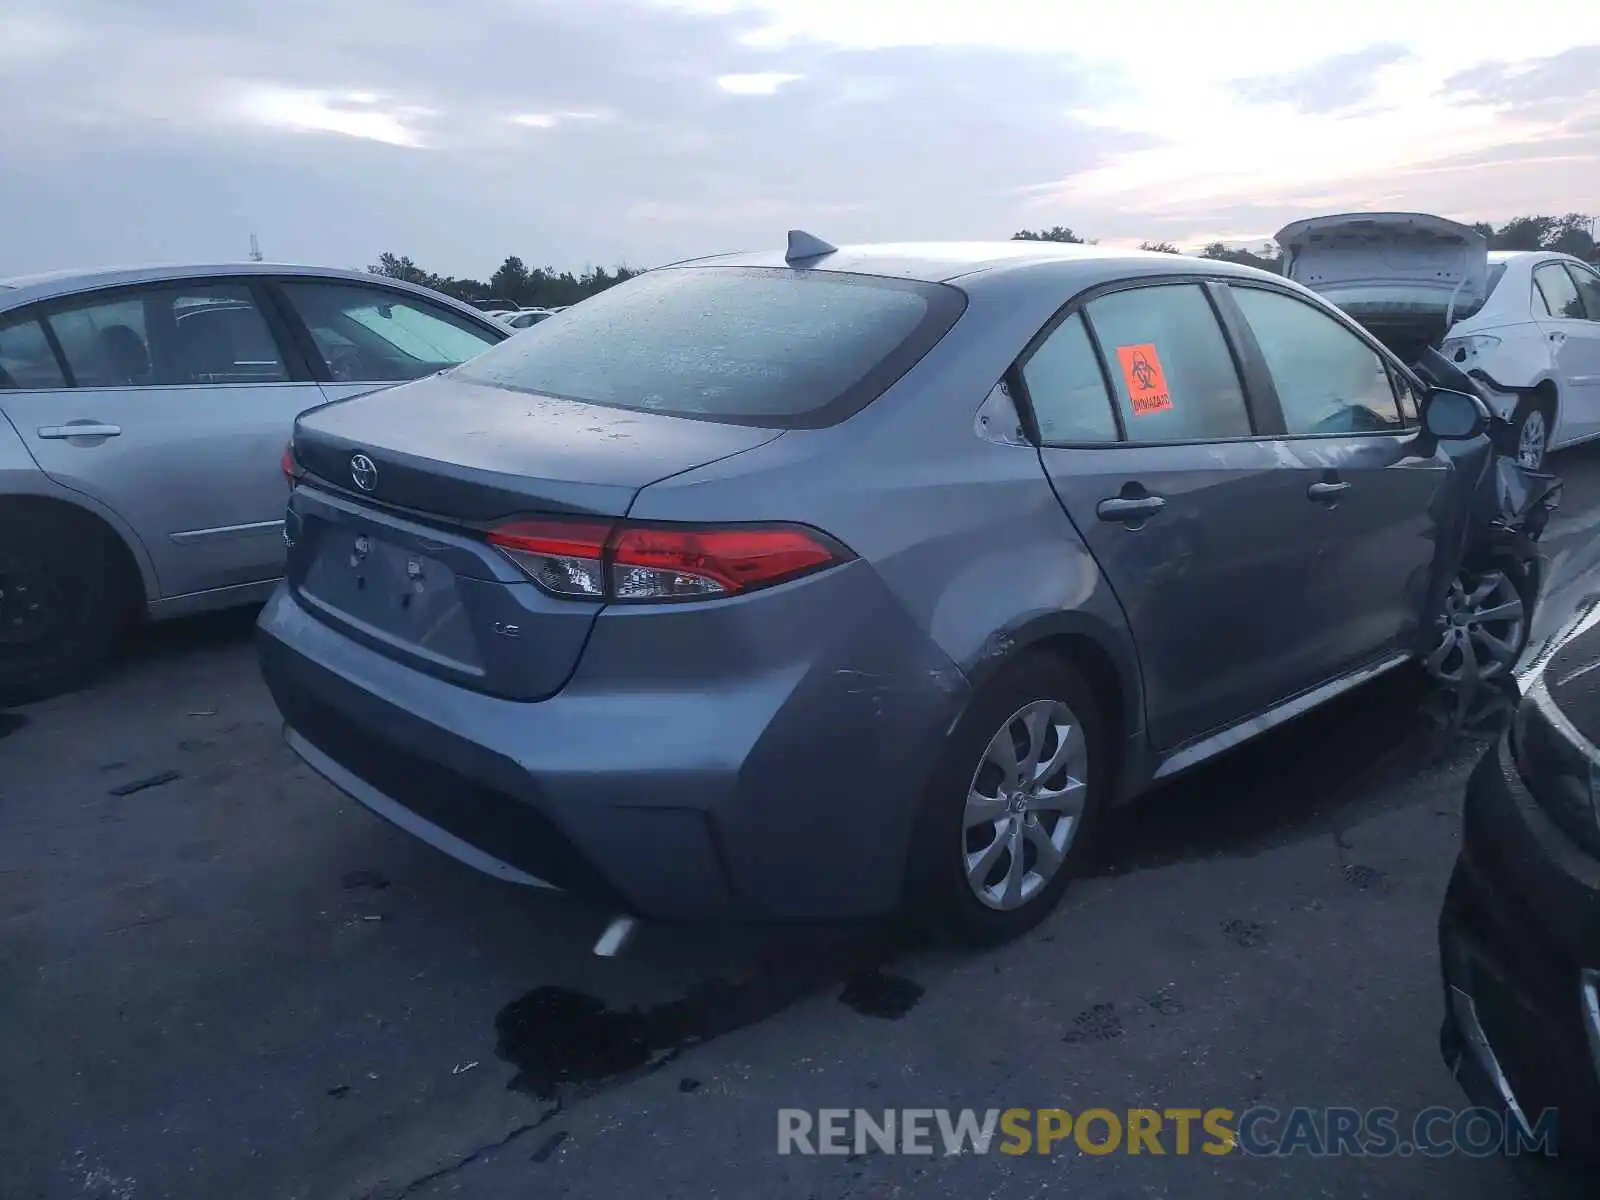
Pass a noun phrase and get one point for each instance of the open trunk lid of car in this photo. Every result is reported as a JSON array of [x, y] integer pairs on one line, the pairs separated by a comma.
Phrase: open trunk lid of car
[[1406, 276], [388, 535]]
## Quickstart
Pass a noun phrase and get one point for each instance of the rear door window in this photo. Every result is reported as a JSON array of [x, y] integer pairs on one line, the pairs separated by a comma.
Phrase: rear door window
[[26, 360], [1588, 284], [1497, 272], [1170, 365], [219, 336], [1328, 380], [741, 345], [168, 335], [105, 343], [1559, 293], [1067, 389]]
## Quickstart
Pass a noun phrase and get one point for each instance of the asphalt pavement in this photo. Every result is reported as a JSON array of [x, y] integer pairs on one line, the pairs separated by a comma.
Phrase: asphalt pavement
[[220, 978]]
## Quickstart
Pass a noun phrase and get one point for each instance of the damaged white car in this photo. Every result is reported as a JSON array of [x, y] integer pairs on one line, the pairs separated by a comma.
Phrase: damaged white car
[[1525, 324]]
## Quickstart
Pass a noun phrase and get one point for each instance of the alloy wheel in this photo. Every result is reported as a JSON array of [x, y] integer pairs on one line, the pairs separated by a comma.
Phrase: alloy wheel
[[1025, 804], [1481, 631], [1531, 439]]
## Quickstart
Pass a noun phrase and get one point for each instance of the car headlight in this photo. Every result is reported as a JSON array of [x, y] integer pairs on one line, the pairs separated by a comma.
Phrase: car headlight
[[1468, 347], [1558, 766]]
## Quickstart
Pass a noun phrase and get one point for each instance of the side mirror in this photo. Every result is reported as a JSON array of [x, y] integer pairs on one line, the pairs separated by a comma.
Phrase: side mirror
[[1454, 416]]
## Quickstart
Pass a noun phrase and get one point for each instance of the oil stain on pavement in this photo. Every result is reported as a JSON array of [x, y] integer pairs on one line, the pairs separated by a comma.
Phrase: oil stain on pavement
[[564, 1042]]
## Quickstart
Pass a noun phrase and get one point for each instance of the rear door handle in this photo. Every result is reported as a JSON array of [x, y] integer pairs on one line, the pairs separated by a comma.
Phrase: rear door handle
[[1326, 491], [56, 433], [1129, 508]]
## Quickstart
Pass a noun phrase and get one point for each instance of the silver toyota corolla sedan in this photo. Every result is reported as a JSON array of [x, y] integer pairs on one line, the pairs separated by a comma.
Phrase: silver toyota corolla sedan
[[143, 417], [795, 585]]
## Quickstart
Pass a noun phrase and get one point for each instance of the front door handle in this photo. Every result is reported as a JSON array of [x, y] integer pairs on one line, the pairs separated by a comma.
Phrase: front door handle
[[57, 433], [1326, 491], [1129, 508]]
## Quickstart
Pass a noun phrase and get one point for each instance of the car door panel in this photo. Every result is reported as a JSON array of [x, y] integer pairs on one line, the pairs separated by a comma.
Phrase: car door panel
[[194, 471], [1355, 456], [182, 405], [1581, 345], [1203, 540], [1370, 580], [1212, 584], [1574, 350]]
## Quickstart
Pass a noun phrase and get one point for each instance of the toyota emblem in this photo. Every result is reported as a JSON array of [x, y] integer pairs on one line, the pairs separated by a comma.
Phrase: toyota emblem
[[364, 471]]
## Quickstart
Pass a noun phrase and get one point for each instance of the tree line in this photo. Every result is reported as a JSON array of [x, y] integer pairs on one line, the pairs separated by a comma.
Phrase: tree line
[[546, 287], [514, 280]]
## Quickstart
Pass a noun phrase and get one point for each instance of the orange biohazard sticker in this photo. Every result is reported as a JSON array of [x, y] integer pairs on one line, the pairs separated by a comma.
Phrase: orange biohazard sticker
[[1147, 382]]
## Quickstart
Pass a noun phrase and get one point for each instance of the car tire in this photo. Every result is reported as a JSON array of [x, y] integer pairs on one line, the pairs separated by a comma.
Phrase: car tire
[[63, 602], [1042, 700], [1529, 438]]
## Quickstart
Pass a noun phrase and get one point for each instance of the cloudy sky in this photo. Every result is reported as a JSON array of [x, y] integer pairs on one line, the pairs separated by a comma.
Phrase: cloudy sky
[[638, 131]]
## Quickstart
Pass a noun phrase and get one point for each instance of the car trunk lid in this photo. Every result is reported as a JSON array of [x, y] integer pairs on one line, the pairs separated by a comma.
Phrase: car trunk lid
[[399, 489], [475, 453], [1406, 276]]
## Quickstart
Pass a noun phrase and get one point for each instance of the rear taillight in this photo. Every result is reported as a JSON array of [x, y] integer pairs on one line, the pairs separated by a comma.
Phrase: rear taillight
[[291, 469], [564, 558], [632, 562]]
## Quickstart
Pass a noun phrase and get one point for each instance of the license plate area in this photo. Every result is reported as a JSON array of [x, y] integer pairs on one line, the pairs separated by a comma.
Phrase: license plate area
[[393, 593]]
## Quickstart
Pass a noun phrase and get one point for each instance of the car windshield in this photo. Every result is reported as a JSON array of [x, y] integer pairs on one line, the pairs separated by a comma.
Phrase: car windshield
[[740, 345]]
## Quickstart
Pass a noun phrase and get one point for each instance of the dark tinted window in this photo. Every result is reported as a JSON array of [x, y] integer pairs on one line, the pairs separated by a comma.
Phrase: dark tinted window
[[1328, 379], [1174, 377], [106, 343], [1491, 281], [26, 360], [221, 337], [1552, 283], [374, 335], [1588, 290], [168, 335], [749, 346], [1067, 389]]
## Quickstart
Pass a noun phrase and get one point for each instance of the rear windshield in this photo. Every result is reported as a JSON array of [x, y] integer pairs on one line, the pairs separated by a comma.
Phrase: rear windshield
[[786, 349], [1496, 271]]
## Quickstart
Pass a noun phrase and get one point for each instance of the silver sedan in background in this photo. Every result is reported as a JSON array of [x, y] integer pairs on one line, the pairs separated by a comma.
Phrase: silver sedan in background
[[143, 417]]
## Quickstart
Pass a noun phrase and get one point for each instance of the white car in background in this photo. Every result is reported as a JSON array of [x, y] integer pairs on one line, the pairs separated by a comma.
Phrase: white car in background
[[524, 318], [1518, 319]]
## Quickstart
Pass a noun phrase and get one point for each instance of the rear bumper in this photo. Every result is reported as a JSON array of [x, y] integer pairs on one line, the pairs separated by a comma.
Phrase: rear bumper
[[785, 791], [1519, 940]]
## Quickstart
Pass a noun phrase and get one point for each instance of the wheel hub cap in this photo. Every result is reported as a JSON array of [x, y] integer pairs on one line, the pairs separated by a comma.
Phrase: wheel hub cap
[[1024, 804], [1531, 445]]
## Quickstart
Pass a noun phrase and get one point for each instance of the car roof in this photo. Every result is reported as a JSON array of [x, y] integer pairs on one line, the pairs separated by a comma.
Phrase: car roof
[[1496, 257], [942, 262], [49, 285]]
